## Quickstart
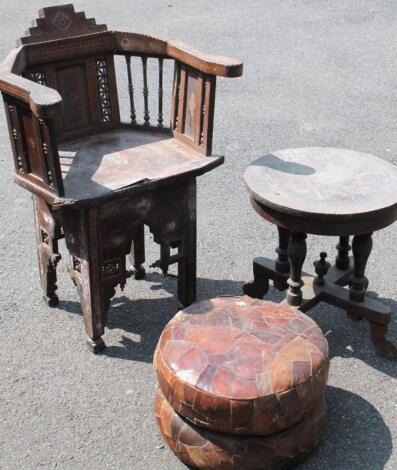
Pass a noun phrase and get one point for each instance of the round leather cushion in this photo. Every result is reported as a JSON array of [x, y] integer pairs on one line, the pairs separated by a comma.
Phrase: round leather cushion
[[242, 366], [204, 449]]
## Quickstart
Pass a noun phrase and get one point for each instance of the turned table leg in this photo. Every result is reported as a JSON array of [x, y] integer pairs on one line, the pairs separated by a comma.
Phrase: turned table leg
[[282, 262], [342, 260], [362, 246], [296, 255]]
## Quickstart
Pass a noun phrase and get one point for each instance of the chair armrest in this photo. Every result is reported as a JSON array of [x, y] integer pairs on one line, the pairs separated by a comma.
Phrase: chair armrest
[[43, 101], [206, 63], [142, 44]]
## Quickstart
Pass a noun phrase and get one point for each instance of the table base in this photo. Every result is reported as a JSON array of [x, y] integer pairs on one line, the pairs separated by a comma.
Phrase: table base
[[333, 291]]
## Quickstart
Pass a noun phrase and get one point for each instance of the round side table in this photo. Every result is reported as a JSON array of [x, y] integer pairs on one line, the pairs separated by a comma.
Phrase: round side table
[[324, 191]]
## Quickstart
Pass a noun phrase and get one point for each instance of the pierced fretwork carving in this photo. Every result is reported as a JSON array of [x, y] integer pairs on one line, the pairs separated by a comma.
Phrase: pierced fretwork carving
[[146, 116], [76, 264], [48, 177], [13, 123], [110, 268], [38, 77], [44, 237], [105, 105]]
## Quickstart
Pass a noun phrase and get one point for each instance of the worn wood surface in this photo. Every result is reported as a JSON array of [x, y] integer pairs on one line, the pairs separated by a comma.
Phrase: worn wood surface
[[113, 160], [324, 191], [97, 181]]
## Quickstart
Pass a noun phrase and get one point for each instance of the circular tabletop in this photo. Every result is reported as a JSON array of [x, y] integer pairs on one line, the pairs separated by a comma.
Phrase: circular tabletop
[[328, 191]]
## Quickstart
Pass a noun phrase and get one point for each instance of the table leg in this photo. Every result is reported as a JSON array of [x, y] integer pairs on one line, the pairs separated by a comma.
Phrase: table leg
[[266, 269], [282, 263], [342, 260], [362, 246], [296, 255]]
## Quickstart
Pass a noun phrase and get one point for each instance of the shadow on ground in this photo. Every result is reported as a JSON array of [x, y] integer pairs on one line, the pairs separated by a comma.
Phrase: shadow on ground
[[356, 435], [148, 317]]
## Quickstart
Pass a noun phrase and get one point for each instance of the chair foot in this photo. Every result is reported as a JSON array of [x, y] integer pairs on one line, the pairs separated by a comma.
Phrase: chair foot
[[383, 346], [256, 289], [96, 346], [139, 273], [51, 300]]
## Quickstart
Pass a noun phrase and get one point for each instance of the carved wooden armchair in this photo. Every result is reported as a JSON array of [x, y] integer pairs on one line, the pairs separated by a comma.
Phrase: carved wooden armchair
[[96, 180]]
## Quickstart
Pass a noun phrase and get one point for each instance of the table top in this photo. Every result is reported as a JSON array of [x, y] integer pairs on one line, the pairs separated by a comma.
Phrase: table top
[[325, 184]]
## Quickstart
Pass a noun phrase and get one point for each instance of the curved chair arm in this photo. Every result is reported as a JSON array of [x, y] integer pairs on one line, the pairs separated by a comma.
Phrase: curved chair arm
[[43, 101], [142, 44], [207, 63]]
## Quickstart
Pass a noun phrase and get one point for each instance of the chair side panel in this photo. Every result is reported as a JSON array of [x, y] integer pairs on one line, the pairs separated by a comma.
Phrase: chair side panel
[[32, 141], [193, 105]]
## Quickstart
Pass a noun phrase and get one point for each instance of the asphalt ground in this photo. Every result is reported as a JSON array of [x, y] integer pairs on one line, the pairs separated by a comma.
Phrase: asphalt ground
[[316, 73]]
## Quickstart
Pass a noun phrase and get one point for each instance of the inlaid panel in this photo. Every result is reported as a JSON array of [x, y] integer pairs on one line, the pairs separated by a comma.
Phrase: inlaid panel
[[191, 105], [72, 86]]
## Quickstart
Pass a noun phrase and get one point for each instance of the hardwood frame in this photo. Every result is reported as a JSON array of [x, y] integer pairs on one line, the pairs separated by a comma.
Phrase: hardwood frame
[[59, 84]]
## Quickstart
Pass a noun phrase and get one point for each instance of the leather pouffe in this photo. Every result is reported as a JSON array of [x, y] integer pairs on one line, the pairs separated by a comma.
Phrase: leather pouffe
[[246, 368]]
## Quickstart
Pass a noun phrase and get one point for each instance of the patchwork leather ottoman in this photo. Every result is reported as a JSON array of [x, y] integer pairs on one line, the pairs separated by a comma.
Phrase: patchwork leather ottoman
[[241, 384]]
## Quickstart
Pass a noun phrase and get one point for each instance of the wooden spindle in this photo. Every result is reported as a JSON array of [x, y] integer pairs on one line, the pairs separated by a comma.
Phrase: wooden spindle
[[131, 90], [160, 118], [145, 92]]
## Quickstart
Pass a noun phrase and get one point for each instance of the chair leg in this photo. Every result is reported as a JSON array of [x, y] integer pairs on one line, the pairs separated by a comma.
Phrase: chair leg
[[188, 251], [137, 255], [83, 239], [47, 250]]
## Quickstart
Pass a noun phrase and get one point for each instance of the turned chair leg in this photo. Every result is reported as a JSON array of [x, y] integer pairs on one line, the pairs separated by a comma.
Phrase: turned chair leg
[[296, 255], [47, 250], [187, 276], [137, 255]]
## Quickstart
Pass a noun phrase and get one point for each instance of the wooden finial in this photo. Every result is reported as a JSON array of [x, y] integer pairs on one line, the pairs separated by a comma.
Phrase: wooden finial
[[321, 267]]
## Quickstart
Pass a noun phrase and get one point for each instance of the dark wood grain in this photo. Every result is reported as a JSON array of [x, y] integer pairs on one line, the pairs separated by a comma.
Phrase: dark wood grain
[[99, 181], [325, 191]]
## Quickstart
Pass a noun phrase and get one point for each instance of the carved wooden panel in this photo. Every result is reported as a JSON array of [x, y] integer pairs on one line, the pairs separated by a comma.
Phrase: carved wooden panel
[[73, 87], [59, 22], [89, 94], [31, 144], [103, 88], [193, 107]]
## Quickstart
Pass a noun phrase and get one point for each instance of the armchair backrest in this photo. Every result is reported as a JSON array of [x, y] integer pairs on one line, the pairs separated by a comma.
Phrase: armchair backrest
[[73, 58], [86, 83]]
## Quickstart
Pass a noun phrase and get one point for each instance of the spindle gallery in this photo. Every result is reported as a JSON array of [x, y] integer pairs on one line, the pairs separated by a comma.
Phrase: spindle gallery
[[95, 179], [109, 131]]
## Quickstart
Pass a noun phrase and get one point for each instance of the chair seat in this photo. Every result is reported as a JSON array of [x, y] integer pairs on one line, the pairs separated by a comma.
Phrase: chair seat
[[114, 160]]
